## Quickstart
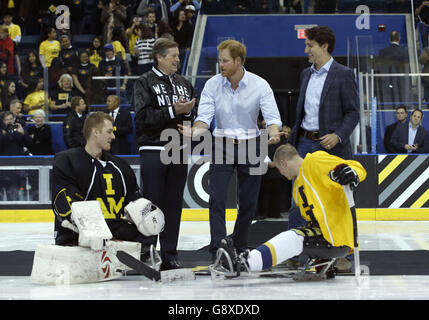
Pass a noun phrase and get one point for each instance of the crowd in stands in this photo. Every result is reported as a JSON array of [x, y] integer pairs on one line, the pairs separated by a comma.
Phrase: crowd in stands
[[302, 6], [55, 75]]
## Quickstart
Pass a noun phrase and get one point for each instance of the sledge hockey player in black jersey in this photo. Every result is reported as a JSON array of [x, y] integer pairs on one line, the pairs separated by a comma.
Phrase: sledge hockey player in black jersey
[[92, 173], [319, 193]]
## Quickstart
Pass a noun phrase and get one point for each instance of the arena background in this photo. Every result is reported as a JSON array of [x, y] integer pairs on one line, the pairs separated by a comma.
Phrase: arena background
[[397, 187]]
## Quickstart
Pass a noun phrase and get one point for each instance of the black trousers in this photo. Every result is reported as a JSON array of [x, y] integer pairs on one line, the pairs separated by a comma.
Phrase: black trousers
[[163, 185], [248, 190]]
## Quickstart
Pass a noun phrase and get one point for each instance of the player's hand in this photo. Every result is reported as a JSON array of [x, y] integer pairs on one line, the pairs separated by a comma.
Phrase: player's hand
[[344, 175], [329, 141]]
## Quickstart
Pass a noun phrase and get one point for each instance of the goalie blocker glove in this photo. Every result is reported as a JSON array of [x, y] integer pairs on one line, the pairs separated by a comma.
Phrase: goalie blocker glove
[[344, 175]]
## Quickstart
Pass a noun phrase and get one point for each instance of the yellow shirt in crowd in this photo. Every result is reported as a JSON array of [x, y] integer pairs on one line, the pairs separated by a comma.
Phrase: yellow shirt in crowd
[[14, 32], [50, 50], [35, 98], [95, 58], [317, 195], [132, 39], [119, 48]]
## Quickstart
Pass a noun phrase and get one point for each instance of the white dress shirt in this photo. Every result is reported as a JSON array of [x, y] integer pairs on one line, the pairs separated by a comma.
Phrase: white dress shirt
[[412, 132], [313, 95], [236, 111], [114, 113]]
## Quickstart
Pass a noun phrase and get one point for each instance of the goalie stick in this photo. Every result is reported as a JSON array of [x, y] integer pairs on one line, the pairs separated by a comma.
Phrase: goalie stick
[[138, 266], [349, 195]]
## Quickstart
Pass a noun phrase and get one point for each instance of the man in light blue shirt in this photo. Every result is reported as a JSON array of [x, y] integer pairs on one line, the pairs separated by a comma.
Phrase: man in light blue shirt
[[411, 137], [234, 98]]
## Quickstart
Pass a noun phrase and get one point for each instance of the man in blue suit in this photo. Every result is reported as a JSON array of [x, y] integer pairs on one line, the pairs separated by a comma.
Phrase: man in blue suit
[[327, 107], [411, 137], [328, 103]]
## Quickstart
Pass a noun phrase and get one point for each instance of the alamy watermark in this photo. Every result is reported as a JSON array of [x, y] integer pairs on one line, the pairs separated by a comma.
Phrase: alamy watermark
[[252, 151]]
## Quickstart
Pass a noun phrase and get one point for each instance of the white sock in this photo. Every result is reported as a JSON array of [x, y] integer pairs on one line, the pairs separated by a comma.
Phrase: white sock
[[284, 246]]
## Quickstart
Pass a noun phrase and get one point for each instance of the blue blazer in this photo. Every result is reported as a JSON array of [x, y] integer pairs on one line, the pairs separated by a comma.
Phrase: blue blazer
[[338, 110], [400, 138]]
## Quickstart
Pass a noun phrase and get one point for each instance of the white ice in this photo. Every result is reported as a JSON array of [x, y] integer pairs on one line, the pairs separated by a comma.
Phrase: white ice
[[373, 235]]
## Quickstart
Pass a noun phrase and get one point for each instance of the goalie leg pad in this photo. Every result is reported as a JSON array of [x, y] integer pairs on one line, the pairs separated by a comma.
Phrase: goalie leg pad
[[58, 265]]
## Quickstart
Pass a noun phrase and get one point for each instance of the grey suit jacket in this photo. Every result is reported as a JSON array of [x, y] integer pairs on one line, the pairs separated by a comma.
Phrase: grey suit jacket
[[338, 109]]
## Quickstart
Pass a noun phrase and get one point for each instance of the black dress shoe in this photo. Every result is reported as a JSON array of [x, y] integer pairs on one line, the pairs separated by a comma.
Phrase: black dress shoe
[[170, 264]]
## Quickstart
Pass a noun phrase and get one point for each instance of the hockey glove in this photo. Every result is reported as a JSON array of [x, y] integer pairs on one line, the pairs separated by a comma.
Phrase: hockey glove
[[344, 175]]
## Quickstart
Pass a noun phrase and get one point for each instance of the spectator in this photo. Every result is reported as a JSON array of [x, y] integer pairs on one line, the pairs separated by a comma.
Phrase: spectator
[[292, 4], [13, 138], [40, 134], [190, 14], [119, 43], [108, 65], [131, 33], [164, 30], [4, 76], [32, 70], [61, 97], [394, 52], [112, 15], [158, 6], [68, 55], [393, 59], [36, 98], [14, 29], [15, 107], [8, 93], [411, 137], [123, 125], [401, 117], [183, 33], [83, 72], [151, 22], [49, 48], [184, 4], [96, 53], [73, 124], [7, 49], [143, 49]]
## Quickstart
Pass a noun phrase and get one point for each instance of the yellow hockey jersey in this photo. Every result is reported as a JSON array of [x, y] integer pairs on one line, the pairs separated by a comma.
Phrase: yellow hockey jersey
[[322, 201]]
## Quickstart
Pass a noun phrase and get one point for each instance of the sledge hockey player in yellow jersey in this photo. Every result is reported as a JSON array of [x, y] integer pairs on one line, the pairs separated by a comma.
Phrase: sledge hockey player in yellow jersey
[[319, 194]]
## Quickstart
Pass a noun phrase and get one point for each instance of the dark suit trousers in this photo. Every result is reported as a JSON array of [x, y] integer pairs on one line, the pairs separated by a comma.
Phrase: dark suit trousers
[[163, 184], [248, 190]]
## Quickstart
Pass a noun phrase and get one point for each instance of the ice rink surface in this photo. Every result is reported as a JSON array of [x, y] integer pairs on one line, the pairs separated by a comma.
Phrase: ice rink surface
[[374, 235]]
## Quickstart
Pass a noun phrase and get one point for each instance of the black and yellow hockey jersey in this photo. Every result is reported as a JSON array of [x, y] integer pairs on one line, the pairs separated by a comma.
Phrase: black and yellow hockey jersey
[[322, 201], [77, 176]]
